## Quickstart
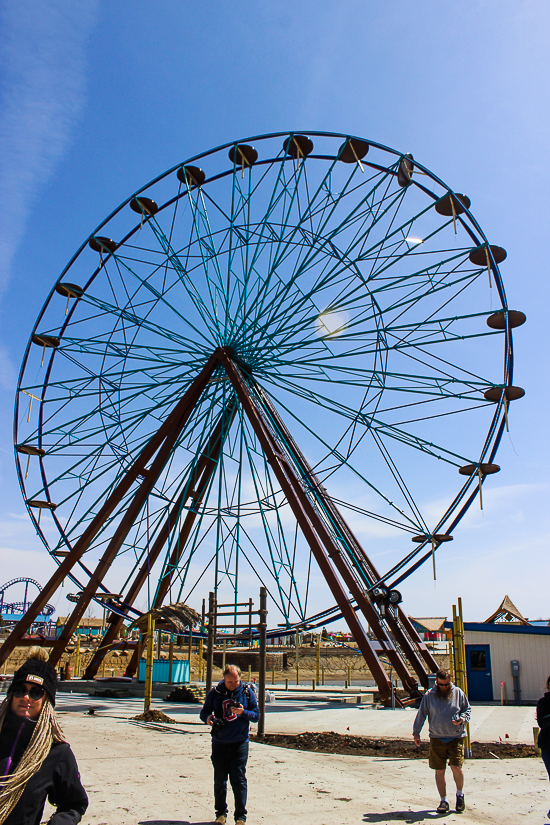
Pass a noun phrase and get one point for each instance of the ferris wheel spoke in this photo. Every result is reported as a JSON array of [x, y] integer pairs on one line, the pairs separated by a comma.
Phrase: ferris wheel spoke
[[381, 427], [279, 552], [191, 290], [162, 297], [340, 458], [121, 314]]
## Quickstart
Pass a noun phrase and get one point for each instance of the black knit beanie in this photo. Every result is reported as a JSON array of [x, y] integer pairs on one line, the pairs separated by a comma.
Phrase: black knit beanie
[[39, 672]]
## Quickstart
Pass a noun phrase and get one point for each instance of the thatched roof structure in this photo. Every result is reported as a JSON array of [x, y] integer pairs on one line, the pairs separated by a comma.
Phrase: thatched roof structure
[[431, 625], [506, 612], [176, 618]]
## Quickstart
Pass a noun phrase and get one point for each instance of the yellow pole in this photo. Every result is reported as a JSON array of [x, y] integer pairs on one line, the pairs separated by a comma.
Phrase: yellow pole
[[318, 660], [77, 657], [171, 661], [201, 648], [149, 665], [464, 684]]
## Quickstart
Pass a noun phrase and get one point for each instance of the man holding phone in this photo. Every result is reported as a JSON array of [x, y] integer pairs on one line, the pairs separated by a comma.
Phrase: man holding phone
[[229, 708], [448, 711]]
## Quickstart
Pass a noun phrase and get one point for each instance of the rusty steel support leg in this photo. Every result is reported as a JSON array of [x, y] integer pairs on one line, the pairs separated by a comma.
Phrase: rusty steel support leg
[[212, 610], [263, 660], [152, 473], [201, 488], [407, 638], [188, 401], [204, 468], [179, 546], [132, 666], [404, 620], [306, 518], [340, 562]]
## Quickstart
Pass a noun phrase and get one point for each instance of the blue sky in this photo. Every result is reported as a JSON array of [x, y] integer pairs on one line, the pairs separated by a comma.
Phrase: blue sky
[[98, 98]]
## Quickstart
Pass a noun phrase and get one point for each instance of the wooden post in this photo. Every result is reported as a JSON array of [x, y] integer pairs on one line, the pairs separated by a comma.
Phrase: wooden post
[[190, 649], [224, 650], [286, 684], [323, 676], [170, 659], [77, 658], [262, 627], [211, 638], [462, 659], [201, 663], [149, 667], [349, 675], [318, 659], [297, 675], [249, 673]]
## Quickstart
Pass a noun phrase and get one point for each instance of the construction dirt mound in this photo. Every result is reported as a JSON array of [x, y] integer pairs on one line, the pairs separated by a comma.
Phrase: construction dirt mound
[[154, 716], [331, 742]]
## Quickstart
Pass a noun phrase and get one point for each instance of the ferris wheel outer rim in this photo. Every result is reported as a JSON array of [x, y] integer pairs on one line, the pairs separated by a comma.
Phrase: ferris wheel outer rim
[[210, 152]]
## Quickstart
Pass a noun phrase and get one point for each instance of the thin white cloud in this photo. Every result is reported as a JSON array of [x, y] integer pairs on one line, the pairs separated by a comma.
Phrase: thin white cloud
[[8, 373], [43, 92]]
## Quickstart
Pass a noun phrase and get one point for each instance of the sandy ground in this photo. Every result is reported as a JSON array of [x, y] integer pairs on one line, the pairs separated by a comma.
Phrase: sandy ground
[[142, 776]]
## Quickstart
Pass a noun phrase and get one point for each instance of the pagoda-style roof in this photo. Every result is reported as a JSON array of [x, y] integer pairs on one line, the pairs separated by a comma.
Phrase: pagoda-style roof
[[506, 612]]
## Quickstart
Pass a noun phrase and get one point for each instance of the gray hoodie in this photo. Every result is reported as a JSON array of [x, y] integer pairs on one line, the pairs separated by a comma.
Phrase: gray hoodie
[[440, 713]]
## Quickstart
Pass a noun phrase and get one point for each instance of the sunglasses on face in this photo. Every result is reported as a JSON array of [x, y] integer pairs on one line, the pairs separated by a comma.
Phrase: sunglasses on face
[[35, 693], [443, 684]]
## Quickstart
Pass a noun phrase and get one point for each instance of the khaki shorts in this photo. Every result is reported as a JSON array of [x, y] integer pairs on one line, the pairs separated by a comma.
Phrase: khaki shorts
[[440, 752]]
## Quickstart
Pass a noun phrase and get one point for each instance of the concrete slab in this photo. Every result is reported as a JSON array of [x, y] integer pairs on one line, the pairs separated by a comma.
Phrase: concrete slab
[[141, 776], [489, 722]]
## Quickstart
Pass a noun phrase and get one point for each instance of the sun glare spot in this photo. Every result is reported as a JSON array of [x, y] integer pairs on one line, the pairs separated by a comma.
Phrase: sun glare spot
[[331, 324]]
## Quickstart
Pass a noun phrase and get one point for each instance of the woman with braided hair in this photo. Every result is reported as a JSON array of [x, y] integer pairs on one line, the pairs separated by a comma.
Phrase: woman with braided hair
[[35, 760]]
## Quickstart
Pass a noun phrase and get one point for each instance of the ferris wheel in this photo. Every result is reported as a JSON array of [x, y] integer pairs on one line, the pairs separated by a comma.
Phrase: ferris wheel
[[288, 335]]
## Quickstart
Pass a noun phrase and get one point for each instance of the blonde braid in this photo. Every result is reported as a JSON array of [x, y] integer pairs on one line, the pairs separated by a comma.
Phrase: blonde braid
[[47, 731]]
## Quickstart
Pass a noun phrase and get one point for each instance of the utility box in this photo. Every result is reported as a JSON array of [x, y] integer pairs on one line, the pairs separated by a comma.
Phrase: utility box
[[514, 664], [161, 670]]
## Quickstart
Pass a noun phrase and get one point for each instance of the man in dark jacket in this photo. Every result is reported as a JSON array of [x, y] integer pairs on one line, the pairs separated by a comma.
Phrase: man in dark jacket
[[35, 760], [229, 708], [543, 720]]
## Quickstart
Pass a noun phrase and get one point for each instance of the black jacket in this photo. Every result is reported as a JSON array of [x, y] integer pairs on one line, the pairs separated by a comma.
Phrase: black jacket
[[543, 721], [58, 779], [219, 702]]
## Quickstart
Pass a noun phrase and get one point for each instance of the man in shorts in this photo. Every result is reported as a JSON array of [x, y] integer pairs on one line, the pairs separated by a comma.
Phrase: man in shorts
[[448, 711]]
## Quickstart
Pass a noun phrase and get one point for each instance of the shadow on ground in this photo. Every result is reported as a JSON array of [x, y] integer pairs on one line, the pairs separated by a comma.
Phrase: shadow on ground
[[402, 816], [174, 822]]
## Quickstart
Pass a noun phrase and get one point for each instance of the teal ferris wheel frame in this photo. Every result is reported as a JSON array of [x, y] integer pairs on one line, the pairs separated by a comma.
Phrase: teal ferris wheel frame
[[346, 288]]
